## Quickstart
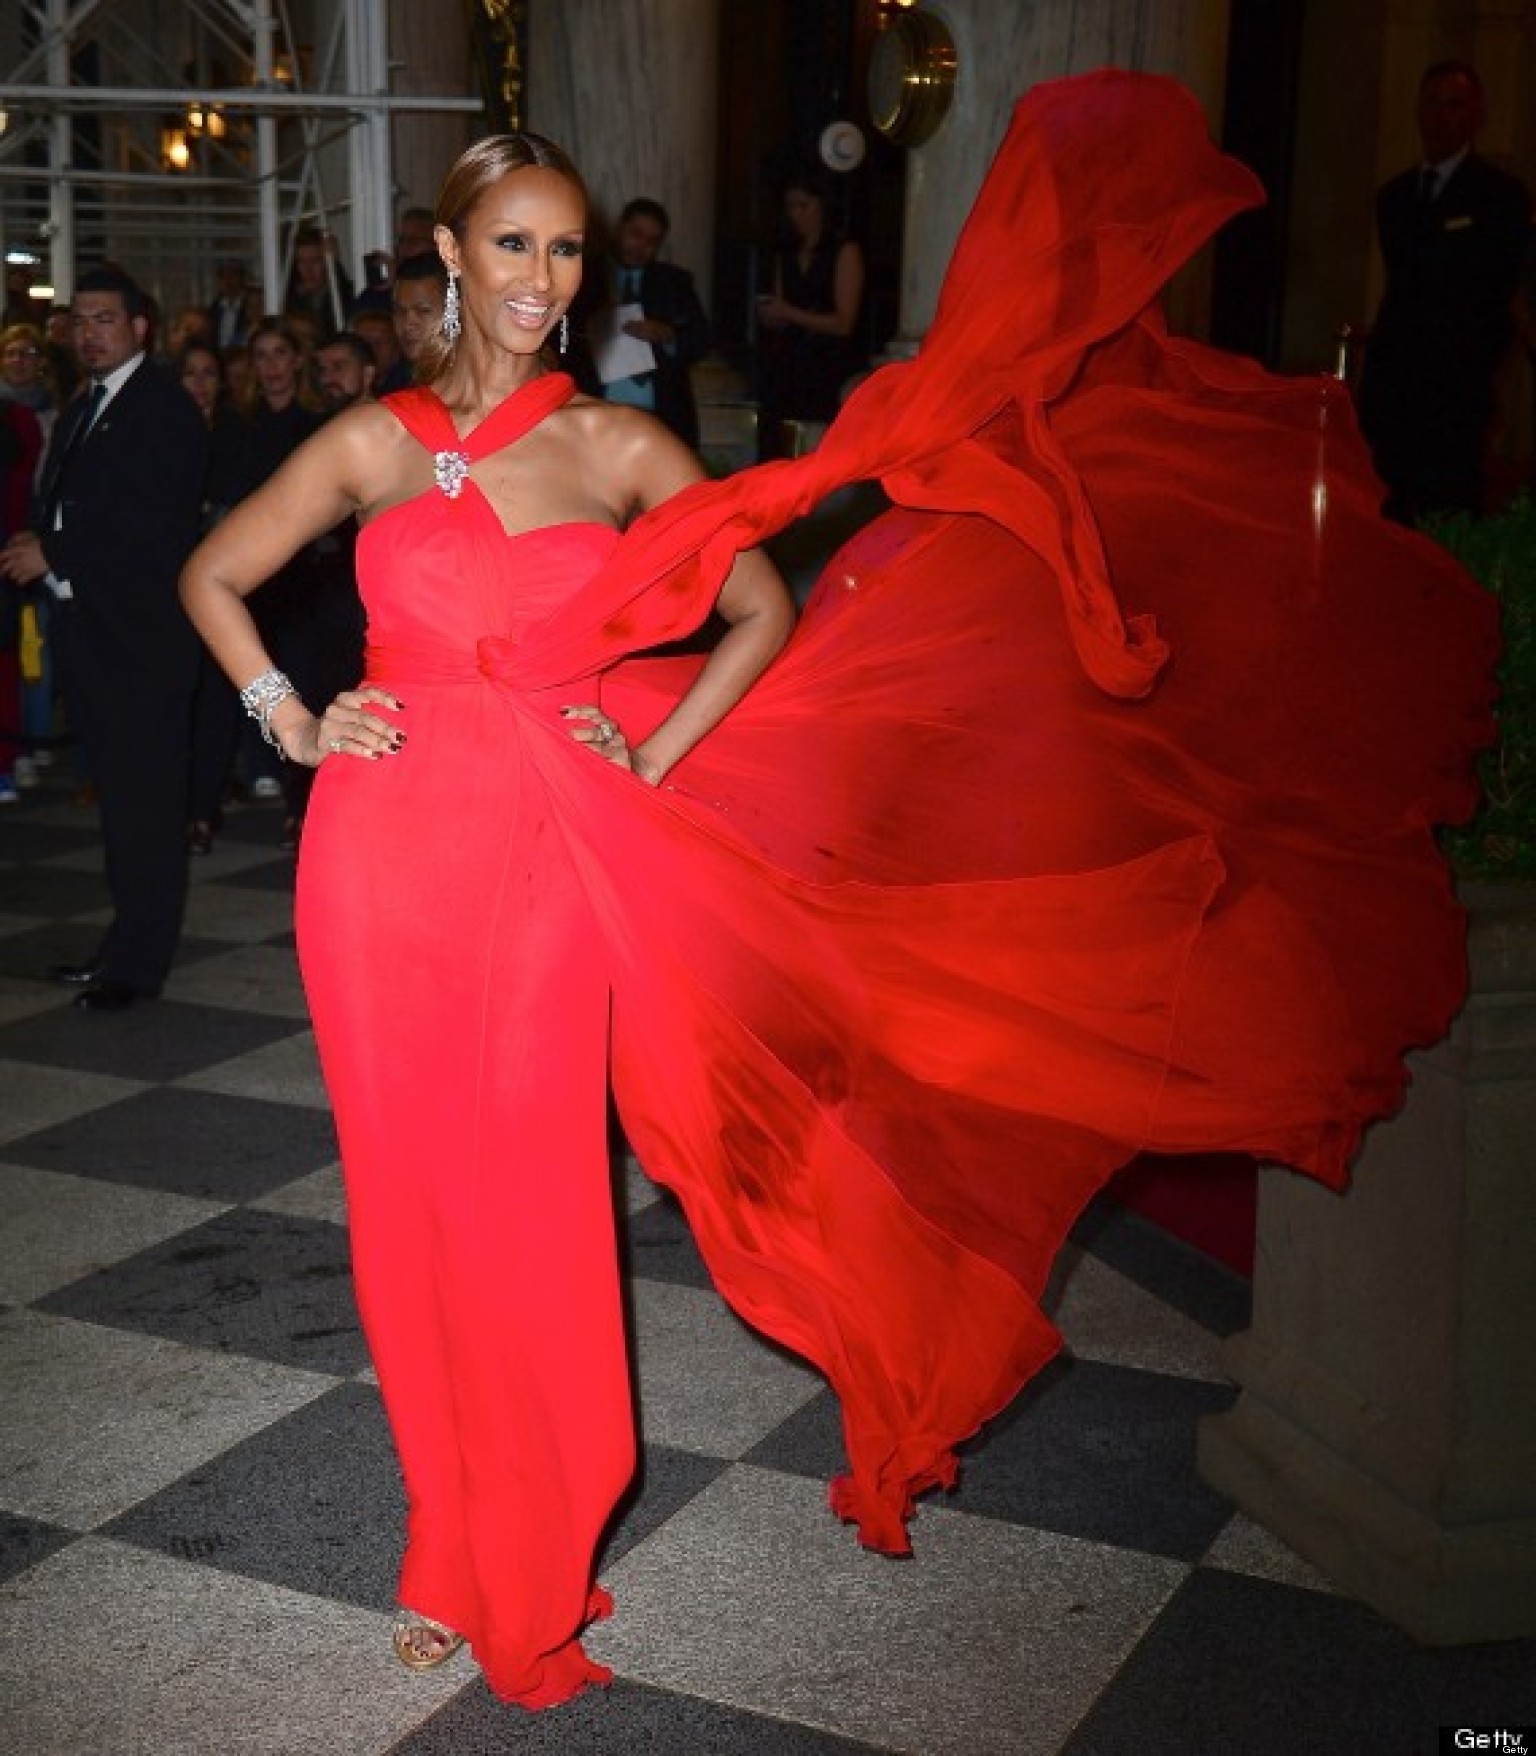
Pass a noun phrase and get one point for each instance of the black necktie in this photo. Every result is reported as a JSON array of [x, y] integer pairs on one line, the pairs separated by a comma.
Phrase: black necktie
[[77, 433], [631, 291], [1429, 184]]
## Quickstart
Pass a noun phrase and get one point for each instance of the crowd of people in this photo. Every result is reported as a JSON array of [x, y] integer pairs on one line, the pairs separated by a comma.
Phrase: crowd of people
[[261, 383], [250, 387]]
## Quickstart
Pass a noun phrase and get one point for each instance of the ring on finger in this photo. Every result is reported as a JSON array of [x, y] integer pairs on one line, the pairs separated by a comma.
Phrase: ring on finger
[[336, 744]]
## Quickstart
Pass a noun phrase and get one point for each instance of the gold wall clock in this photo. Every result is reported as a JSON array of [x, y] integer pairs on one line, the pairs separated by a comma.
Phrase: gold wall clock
[[912, 73]]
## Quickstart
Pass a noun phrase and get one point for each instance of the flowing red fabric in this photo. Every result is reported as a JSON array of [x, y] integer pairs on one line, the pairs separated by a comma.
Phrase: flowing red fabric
[[990, 884]]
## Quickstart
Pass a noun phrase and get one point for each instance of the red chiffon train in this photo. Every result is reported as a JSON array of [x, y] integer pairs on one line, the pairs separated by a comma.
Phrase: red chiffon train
[[986, 887]]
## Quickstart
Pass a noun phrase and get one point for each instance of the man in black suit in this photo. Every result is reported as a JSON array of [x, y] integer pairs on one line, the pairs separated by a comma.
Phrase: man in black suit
[[420, 288], [122, 486], [1453, 234], [230, 314], [672, 319]]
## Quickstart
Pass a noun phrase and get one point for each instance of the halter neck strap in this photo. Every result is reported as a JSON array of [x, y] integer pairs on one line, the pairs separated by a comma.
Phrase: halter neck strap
[[424, 415]]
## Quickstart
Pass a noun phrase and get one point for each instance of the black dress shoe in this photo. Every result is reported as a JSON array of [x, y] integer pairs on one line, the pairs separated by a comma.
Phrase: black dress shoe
[[107, 996], [76, 975]]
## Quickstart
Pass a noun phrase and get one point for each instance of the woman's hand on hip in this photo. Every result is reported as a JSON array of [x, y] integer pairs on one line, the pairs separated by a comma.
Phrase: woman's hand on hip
[[592, 727], [346, 728]]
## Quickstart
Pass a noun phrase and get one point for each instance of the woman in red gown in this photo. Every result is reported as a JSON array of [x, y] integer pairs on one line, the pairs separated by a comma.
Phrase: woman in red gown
[[981, 888]]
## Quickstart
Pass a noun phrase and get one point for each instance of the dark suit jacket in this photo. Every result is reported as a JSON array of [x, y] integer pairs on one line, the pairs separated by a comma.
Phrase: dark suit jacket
[[242, 326], [130, 501], [667, 293], [1452, 270]]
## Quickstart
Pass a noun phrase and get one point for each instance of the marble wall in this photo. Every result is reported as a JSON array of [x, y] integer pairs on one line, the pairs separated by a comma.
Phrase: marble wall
[[1003, 50], [629, 88]]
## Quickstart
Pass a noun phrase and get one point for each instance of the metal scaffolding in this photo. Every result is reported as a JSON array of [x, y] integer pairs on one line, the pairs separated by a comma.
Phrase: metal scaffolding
[[168, 136]]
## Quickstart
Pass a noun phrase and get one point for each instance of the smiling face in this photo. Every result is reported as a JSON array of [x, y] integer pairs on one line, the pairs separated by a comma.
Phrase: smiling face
[[21, 361], [519, 258]]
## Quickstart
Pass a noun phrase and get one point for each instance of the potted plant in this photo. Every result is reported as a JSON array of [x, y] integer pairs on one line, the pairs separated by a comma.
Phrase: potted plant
[[1499, 843]]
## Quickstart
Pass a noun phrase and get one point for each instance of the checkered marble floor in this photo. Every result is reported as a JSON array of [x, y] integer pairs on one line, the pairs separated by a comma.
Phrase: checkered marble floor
[[200, 1513]]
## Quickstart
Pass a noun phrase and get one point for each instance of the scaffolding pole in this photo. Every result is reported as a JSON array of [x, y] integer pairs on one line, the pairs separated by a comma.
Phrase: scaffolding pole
[[61, 142], [363, 104]]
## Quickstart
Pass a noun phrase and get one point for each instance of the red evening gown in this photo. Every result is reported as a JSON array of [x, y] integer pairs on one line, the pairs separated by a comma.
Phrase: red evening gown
[[987, 886]]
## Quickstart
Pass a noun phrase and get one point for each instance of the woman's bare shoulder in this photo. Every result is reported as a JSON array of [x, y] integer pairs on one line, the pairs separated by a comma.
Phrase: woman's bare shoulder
[[362, 450], [610, 420], [623, 431]]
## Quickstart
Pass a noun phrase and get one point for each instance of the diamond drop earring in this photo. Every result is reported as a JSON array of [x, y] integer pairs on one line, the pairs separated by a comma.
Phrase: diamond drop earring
[[565, 332], [453, 324]]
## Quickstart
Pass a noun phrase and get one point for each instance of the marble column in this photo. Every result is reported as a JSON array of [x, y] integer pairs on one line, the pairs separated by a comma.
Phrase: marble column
[[1386, 1428], [1003, 50], [629, 89]]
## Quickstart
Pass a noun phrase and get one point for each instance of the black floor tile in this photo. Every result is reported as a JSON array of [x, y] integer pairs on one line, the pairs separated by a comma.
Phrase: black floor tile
[[666, 1480], [258, 824], [658, 1245], [274, 874], [312, 1502], [808, 1443], [51, 893], [27, 839], [246, 1282], [29, 955], [1213, 1295], [626, 1719], [159, 1039], [188, 1142], [1093, 1451], [24, 1542], [1101, 1452], [1239, 1664]]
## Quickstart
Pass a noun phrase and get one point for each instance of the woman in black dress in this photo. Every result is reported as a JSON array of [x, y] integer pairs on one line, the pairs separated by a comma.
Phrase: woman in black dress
[[807, 322]]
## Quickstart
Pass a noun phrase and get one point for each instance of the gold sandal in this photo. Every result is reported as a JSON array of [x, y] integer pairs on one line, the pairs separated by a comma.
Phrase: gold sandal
[[422, 1644]]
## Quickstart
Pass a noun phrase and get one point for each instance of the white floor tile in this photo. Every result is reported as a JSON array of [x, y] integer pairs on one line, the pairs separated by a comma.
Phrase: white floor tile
[[107, 1650], [1105, 1316], [256, 978], [639, 1191], [1244, 1546], [707, 1383], [286, 1072], [32, 1097], [55, 1229], [245, 917], [97, 1418], [317, 1196], [996, 1639]]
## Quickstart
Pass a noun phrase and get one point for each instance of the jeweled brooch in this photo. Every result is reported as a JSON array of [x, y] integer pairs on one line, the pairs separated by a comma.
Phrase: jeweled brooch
[[451, 468]]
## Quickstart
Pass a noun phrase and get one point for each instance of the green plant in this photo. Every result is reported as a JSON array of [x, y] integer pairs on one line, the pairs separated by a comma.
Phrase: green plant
[[1500, 840]]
